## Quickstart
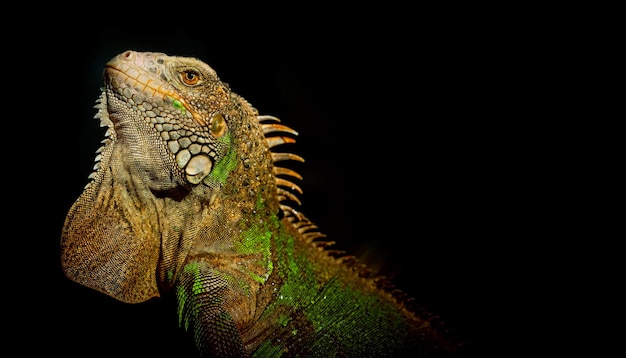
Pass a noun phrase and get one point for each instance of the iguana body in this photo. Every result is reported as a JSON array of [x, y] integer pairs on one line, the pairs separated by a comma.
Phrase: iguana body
[[186, 198]]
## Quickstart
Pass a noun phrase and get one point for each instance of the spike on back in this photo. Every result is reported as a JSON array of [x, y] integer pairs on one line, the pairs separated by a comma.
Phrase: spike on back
[[277, 134]]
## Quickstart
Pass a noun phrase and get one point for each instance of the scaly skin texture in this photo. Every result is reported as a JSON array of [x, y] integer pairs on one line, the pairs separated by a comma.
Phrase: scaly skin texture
[[187, 199]]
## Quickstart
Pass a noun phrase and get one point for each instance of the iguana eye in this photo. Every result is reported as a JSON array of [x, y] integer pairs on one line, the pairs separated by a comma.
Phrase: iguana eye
[[190, 77]]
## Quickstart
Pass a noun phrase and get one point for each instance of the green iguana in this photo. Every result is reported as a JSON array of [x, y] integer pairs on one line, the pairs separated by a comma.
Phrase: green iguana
[[186, 198]]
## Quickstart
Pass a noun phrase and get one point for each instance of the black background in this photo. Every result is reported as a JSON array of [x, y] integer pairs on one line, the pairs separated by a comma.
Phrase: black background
[[400, 120]]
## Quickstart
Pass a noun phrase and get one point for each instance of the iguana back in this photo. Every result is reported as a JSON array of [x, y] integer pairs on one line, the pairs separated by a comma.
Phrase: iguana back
[[188, 198]]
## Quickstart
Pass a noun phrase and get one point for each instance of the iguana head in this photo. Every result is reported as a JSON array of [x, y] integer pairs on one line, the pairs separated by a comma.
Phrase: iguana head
[[182, 101], [199, 120]]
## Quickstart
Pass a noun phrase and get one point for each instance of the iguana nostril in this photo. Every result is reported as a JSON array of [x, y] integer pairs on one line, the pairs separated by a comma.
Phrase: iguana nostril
[[127, 56]]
